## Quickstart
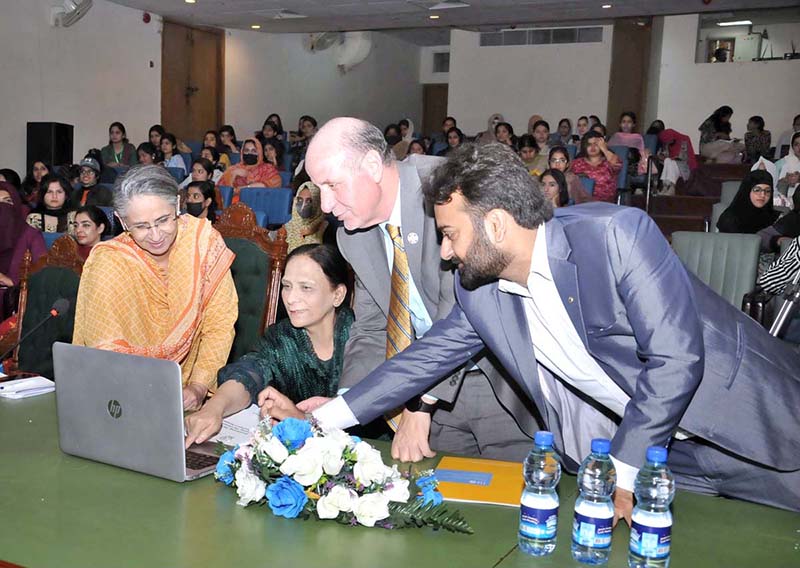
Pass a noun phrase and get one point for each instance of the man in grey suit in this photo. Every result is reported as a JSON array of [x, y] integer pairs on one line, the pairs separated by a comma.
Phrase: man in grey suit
[[488, 417], [594, 297]]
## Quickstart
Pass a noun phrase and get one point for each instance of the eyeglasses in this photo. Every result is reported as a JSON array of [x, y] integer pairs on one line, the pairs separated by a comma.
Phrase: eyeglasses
[[140, 230], [558, 161], [87, 171], [758, 190]]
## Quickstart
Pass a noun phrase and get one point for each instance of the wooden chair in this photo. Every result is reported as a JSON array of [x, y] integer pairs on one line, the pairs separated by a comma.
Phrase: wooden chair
[[55, 275], [257, 272]]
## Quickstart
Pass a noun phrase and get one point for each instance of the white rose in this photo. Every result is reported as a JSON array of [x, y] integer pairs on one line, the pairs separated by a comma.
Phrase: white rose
[[369, 466], [398, 492], [275, 449], [371, 508], [332, 452], [305, 467], [249, 486], [337, 500], [341, 437]]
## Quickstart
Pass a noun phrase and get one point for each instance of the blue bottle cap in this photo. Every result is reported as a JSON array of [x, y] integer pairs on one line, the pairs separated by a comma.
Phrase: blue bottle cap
[[543, 438], [657, 454], [601, 446]]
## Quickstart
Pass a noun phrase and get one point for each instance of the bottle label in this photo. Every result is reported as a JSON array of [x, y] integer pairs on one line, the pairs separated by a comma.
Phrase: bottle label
[[650, 542], [538, 523], [591, 531]]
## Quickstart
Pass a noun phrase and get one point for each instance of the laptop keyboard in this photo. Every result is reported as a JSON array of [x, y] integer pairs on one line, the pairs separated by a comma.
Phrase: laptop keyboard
[[195, 460]]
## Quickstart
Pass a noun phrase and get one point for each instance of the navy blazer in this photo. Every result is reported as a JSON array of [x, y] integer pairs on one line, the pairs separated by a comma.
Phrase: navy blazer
[[683, 355]]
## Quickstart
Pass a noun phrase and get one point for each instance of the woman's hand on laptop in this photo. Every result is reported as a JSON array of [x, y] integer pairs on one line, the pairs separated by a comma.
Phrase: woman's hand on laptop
[[277, 405], [193, 396], [202, 425]]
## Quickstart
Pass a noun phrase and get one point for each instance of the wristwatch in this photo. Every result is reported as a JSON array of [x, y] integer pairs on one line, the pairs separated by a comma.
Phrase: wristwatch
[[416, 404]]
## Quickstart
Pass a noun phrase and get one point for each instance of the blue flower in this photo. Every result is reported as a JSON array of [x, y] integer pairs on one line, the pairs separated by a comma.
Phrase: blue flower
[[286, 497], [292, 432], [224, 471], [430, 495]]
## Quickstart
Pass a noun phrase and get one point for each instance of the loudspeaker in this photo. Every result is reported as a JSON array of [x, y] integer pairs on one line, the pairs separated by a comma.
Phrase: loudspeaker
[[50, 142]]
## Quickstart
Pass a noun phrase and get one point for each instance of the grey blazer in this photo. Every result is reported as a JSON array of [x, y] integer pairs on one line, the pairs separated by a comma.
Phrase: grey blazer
[[365, 250], [683, 355]]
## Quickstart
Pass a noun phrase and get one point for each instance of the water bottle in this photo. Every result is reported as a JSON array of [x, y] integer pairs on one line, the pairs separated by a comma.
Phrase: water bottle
[[651, 529], [594, 510], [538, 518]]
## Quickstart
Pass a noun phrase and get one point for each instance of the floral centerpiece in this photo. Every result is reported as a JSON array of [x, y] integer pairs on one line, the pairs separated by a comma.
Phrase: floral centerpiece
[[304, 472]]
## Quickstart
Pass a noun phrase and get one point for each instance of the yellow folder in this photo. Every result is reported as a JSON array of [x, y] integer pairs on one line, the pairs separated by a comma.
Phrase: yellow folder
[[476, 480]]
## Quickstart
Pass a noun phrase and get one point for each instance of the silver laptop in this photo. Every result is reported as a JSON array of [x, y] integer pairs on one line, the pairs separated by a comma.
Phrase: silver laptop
[[127, 411]]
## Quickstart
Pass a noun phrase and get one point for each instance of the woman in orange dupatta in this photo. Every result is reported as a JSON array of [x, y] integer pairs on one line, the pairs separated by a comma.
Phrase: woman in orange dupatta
[[252, 171], [163, 288]]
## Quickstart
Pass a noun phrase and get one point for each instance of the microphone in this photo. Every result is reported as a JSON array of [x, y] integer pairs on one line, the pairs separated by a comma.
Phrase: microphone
[[58, 308]]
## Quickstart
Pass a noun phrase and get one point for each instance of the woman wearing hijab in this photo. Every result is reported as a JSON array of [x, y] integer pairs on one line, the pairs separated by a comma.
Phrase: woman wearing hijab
[[789, 169], [487, 136], [716, 144], [54, 213], [16, 238], [251, 172], [407, 132], [751, 209], [308, 223]]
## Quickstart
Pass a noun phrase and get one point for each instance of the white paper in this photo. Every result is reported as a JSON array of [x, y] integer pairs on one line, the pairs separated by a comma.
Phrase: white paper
[[236, 427], [24, 388]]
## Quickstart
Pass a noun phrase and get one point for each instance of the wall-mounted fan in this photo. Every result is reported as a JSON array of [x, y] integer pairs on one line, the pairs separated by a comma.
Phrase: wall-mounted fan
[[69, 12]]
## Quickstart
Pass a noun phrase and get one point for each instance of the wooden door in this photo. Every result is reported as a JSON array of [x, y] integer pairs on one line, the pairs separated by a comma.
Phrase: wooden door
[[434, 108], [192, 80], [630, 58]]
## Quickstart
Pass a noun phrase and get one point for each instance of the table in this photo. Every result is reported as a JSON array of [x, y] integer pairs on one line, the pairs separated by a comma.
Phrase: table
[[64, 511]]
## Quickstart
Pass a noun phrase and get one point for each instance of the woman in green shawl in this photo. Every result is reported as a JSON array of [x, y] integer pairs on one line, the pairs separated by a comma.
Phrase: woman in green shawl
[[308, 223], [301, 356]]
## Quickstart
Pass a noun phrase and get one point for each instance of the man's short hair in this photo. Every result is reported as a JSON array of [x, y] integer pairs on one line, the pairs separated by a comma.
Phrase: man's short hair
[[362, 138]]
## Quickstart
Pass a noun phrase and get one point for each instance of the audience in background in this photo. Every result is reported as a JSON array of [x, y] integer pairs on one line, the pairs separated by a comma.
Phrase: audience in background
[[276, 120], [563, 136], [454, 139], [416, 147], [269, 130], [679, 160], [581, 128], [201, 200], [789, 168], [599, 129], [554, 186], [90, 193], [541, 133], [273, 153], [91, 225], [213, 156], [12, 177], [154, 135], [532, 157], [594, 120], [119, 153], [532, 122], [148, 154], [169, 147], [308, 224], [504, 133], [716, 144], [307, 127], [628, 137], [212, 140], [227, 140], [558, 159], [751, 209], [202, 170], [251, 172], [487, 135], [785, 139], [31, 185], [55, 213], [757, 141], [441, 137], [406, 137], [599, 163]]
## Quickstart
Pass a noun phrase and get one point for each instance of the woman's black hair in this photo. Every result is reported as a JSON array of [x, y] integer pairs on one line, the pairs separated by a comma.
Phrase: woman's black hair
[[331, 262], [209, 192], [308, 118], [12, 177], [558, 150], [568, 121], [279, 122], [279, 150], [584, 117], [403, 122], [601, 126], [214, 153], [98, 217], [389, 127], [461, 137], [155, 128], [121, 127], [229, 129], [171, 137], [630, 114], [507, 127], [595, 118], [271, 124], [759, 120], [539, 123], [585, 141], [561, 180], [718, 115], [148, 148], [207, 165], [656, 127], [61, 181], [527, 141], [29, 183], [418, 143]]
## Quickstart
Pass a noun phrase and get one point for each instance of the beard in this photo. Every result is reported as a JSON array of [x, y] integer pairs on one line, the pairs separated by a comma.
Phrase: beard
[[485, 262]]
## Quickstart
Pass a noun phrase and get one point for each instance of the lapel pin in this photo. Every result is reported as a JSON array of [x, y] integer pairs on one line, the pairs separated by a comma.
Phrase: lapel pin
[[570, 299], [413, 238]]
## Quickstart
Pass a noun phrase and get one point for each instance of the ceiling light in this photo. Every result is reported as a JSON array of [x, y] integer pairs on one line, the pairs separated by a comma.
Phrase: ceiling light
[[737, 23], [255, 27], [449, 5], [433, 17], [191, 1], [606, 6], [288, 15]]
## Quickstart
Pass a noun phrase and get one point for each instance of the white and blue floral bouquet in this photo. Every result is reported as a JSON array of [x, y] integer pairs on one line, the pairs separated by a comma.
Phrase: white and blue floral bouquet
[[304, 472]]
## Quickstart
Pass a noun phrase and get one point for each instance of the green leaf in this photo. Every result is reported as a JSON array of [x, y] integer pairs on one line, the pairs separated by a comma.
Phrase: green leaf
[[416, 514]]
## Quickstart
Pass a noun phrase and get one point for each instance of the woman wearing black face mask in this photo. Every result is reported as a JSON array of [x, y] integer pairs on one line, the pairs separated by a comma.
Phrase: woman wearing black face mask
[[251, 172], [201, 200], [308, 223]]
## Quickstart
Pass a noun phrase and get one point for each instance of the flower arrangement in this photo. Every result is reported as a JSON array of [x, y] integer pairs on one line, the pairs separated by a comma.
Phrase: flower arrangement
[[304, 472]]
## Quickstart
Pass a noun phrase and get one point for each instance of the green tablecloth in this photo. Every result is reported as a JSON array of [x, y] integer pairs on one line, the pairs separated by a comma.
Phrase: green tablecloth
[[62, 511]]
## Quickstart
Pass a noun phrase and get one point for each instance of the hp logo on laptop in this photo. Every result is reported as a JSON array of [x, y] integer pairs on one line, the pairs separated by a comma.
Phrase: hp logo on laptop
[[114, 408]]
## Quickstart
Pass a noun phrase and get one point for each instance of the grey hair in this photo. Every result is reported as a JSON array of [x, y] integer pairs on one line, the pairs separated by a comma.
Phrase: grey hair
[[144, 180], [362, 138]]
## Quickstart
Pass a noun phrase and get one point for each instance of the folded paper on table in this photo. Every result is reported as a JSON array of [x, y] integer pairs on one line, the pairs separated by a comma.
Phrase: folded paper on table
[[23, 388], [236, 427], [476, 480]]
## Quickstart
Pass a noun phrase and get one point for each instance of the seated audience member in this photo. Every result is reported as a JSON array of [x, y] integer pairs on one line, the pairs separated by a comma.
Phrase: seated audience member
[[581, 127], [407, 137], [308, 224], [202, 170], [656, 127], [594, 120], [148, 154], [598, 162], [541, 133], [757, 141], [212, 140], [455, 138], [213, 156], [599, 129], [564, 136], [534, 160], [91, 225], [554, 187], [201, 200], [54, 213], [302, 355], [273, 153], [779, 275], [16, 238], [785, 228], [307, 127], [12, 177], [628, 137], [447, 124], [31, 185], [119, 152], [532, 122], [269, 130], [487, 136], [751, 209], [251, 172], [778, 199], [785, 139], [179, 301], [392, 134], [169, 147], [716, 145], [90, 193], [504, 134], [416, 147], [154, 135], [679, 160], [789, 169], [275, 119], [227, 139], [558, 159]]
